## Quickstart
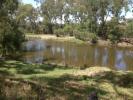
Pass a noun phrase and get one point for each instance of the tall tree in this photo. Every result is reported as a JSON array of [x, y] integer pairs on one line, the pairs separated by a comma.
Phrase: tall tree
[[93, 14], [10, 37], [48, 12], [27, 17]]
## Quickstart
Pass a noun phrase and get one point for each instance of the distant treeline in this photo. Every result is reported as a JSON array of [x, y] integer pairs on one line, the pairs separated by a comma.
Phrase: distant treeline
[[81, 18], [84, 19]]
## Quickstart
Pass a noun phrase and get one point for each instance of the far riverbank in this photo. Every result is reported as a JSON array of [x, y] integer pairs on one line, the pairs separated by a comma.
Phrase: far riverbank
[[73, 39]]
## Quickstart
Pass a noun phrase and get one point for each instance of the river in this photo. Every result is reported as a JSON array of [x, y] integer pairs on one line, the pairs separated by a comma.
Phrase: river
[[72, 54]]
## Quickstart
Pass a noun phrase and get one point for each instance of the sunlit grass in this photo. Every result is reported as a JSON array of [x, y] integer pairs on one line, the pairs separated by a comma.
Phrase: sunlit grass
[[63, 82]]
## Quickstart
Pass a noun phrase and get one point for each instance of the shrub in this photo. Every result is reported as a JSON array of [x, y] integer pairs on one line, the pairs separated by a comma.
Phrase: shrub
[[129, 29], [115, 35], [93, 37], [11, 39], [82, 35], [115, 30], [59, 32], [86, 36], [68, 30]]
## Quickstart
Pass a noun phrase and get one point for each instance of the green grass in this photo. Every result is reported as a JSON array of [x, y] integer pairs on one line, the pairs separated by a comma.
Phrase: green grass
[[30, 33], [61, 39], [20, 81]]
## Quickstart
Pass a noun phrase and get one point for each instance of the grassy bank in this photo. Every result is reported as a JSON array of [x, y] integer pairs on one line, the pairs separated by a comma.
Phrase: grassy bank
[[54, 37], [51, 82], [73, 39]]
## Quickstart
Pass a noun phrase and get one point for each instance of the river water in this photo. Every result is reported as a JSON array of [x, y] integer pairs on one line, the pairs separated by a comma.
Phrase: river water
[[72, 54]]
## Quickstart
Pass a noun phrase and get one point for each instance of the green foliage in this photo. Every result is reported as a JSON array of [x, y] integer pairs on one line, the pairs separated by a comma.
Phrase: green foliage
[[48, 28], [83, 32], [84, 19], [10, 36], [11, 39], [86, 36], [94, 38], [115, 30], [26, 18], [85, 15], [23, 81], [59, 32], [68, 29], [129, 29], [114, 35]]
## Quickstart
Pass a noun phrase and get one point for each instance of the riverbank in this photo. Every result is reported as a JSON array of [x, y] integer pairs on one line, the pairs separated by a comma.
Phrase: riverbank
[[73, 39], [54, 37], [52, 82]]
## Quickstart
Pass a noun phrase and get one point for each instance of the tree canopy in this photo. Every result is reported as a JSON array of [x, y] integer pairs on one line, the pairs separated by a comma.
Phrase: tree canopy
[[83, 19], [95, 12], [10, 37]]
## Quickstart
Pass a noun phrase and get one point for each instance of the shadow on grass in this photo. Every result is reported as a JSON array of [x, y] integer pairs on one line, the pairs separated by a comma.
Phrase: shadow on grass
[[118, 81], [66, 87], [23, 68], [121, 79], [69, 87], [5, 73]]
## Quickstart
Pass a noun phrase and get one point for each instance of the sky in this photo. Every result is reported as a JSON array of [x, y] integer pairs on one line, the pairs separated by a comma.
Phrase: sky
[[30, 2], [128, 15]]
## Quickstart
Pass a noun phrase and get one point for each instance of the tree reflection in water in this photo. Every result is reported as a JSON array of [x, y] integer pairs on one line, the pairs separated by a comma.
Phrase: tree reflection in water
[[78, 55], [119, 62]]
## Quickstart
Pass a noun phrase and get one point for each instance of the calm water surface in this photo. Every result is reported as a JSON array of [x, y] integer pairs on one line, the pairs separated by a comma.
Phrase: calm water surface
[[72, 54]]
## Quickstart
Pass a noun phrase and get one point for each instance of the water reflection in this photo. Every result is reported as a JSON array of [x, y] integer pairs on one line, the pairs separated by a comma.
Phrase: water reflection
[[96, 55], [105, 57], [120, 62], [78, 55], [34, 57], [36, 45]]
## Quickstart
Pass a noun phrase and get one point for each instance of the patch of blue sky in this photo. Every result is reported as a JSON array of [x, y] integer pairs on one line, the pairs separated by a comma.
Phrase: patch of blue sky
[[35, 4]]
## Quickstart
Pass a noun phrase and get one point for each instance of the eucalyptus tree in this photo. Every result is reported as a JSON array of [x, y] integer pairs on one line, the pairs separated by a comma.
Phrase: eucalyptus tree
[[100, 10], [23, 13], [103, 15], [48, 9], [119, 8], [27, 17], [10, 37], [94, 15]]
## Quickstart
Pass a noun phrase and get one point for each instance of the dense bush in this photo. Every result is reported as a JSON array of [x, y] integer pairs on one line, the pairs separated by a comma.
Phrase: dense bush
[[129, 29], [11, 41], [115, 34], [68, 30], [86, 36], [82, 35], [11, 37], [94, 37], [115, 30], [59, 32]]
